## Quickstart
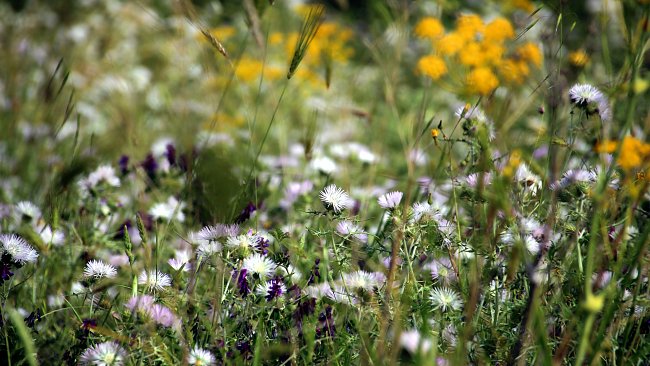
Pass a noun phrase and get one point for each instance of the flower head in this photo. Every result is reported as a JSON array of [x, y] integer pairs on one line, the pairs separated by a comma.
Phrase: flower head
[[348, 228], [335, 199], [17, 247], [200, 357], [154, 280], [98, 269], [104, 354], [445, 298], [390, 200], [260, 265]]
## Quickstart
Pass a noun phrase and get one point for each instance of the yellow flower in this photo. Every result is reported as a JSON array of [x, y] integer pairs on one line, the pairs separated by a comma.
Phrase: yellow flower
[[450, 44], [430, 28], [531, 53], [276, 38], [468, 26], [578, 58], [498, 30], [525, 5], [634, 153], [248, 69], [471, 55], [492, 52], [514, 71], [432, 66], [608, 147], [594, 303], [482, 80], [435, 133]]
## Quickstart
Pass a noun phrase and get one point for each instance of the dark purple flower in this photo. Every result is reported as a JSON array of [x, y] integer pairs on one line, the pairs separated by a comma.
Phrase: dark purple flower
[[314, 273], [124, 164], [150, 165], [276, 289], [242, 283], [170, 153], [262, 244], [33, 317], [246, 213]]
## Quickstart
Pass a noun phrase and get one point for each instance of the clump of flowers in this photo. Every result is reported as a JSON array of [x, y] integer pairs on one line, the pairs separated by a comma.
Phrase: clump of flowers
[[482, 48]]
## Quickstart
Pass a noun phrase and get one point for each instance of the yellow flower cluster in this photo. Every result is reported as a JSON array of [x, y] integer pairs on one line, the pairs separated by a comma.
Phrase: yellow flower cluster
[[634, 152], [482, 48], [578, 58]]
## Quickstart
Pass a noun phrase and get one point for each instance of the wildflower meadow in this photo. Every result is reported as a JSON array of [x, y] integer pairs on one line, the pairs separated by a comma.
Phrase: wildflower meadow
[[287, 182]]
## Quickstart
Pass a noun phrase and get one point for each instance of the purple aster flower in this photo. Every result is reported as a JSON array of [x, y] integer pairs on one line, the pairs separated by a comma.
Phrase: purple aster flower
[[390, 200]]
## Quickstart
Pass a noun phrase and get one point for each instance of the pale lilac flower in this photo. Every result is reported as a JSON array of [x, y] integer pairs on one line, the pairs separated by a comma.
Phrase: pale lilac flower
[[104, 354], [334, 198], [181, 260], [200, 357], [19, 250], [207, 249], [295, 190], [442, 270], [472, 180], [584, 94], [154, 280], [348, 228], [140, 303], [390, 200], [98, 269], [163, 316], [412, 341]]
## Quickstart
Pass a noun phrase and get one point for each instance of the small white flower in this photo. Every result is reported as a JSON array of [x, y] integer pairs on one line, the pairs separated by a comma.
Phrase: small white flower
[[181, 260], [240, 241], [104, 354], [334, 198], [324, 165], [207, 249], [99, 269], [423, 211], [364, 280], [27, 210], [17, 247], [172, 209], [445, 298], [154, 280], [54, 237], [390, 200], [259, 264], [411, 341], [530, 181], [200, 357], [104, 173]]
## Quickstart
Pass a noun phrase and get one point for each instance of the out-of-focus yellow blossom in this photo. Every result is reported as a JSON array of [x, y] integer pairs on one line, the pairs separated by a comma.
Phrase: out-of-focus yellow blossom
[[220, 121], [634, 153], [450, 44], [482, 80], [525, 5], [432, 66], [430, 28], [498, 30], [514, 161], [471, 55], [594, 303], [531, 53], [435, 133], [276, 38], [492, 52], [578, 58], [468, 26], [248, 69], [514, 71], [222, 33]]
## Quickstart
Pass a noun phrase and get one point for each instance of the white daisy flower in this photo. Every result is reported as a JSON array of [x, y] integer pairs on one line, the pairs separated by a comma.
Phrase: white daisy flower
[[362, 279], [259, 264], [241, 241], [207, 249], [99, 269], [390, 200], [423, 211], [324, 165], [104, 354], [18, 248], [200, 357], [154, 280], [318, 290], [411, 340], [445, 298], [335, 199]]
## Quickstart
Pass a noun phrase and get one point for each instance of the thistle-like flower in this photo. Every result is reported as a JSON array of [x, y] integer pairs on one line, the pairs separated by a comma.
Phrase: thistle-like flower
[[104, 354], [259, 264], [335, 199], [444, 298], [18, 249], [390, 200], [154, 280], [98, 269]]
